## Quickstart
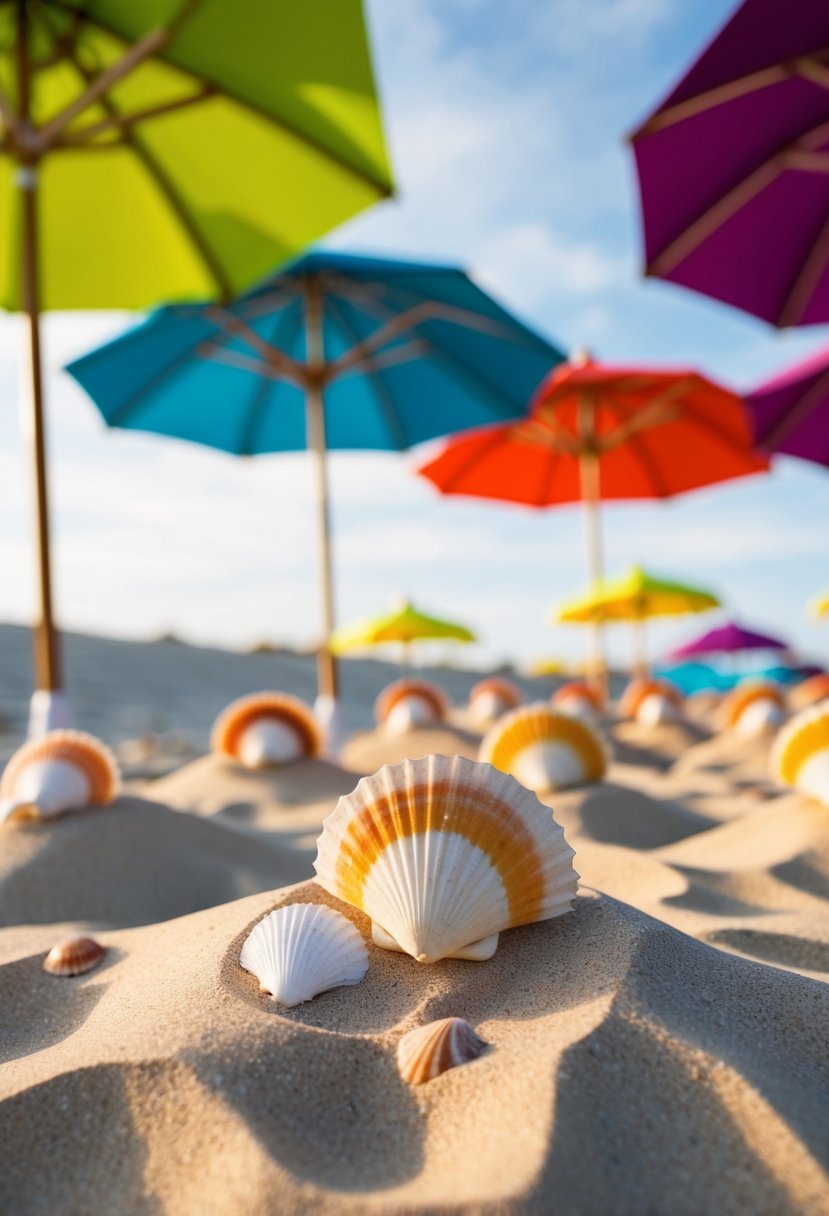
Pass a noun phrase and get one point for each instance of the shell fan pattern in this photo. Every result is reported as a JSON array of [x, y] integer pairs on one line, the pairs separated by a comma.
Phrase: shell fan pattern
[[266, 729], [427, 1051], [410, 703], [800, 756], [753, 707], [444, 853], [301, 950], [651, 702], [75, 957], [63, 770], [546, 750]]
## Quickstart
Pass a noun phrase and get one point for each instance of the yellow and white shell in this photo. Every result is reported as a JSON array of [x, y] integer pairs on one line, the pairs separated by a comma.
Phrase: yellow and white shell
[[266, 729], [753, 708], [492, 697], [63, 770], [427, 1051], [651, 701], [579, 700], [546, 750], [407, 704], [444, 853], [800, 756], [300, 950]]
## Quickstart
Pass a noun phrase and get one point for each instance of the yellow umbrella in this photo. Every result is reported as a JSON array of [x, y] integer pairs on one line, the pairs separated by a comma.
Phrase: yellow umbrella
[[635, 596], [404, 624], [819, 604]]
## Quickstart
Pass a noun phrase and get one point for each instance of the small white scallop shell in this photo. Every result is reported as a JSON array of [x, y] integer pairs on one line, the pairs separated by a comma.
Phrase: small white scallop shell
[[427, 1051], [300, 950], [61, 771]]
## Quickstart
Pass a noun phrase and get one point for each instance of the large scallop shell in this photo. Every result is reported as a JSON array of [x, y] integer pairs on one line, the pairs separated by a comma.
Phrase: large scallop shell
[[443, 853], [492, 697], [300, 950], [266, 729], [61, 771], [410, 703], [578, 699], [651, 701], [546, 750], [754, 707], [427, 1051], [74, 957], [810, 692], [800, 756]]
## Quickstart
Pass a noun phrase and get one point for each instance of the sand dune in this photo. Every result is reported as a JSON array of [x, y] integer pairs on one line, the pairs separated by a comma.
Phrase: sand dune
[[367, 752], [646, 1071]]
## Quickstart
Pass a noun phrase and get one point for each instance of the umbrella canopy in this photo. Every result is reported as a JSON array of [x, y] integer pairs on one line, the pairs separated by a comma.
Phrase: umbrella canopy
[[726, 639], [635, 596], [171, 150], [790, 412], [405, 624], [733, 166], [336, 351], [819, 606]]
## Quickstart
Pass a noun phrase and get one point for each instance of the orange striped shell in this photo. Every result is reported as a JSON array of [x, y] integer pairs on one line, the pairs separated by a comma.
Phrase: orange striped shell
[[279, 707], [811, 691], [640, 689], [420, 690], [545, 749], [443, 854], [508, 692], [74, 957], [578, 690], [800, 755], [83, 752], [427, 1051], [747, 694]]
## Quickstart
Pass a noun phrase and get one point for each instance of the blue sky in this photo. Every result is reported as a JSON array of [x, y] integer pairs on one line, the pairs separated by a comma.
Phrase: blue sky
[[506, 125]]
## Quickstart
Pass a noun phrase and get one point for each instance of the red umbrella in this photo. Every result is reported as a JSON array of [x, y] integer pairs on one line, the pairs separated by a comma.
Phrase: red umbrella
[[596, 432]]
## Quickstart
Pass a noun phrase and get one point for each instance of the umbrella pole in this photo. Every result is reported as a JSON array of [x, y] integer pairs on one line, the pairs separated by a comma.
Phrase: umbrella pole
[[327, 684], [591, 506], [641, 666], [46, 710]]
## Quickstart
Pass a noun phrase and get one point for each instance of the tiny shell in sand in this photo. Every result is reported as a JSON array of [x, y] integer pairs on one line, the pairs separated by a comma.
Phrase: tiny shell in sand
[[428, 1051], [64, 770], [546, 749], [409, 703], [266, 729], [444, 853], [301, 950], [74, 957]]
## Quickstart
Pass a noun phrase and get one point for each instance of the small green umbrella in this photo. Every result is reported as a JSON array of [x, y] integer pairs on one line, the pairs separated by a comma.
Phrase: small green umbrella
[[404, 624], [171, 150]]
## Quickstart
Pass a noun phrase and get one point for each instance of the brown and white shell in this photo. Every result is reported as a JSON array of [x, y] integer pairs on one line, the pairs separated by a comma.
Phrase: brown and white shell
[[61, 771], [409, 703], [74, 957], [428, 1051], [266, 729]]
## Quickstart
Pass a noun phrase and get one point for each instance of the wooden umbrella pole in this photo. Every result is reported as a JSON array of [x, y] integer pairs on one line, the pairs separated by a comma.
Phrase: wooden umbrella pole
[[641, 666], [46, 648], [327, 683]]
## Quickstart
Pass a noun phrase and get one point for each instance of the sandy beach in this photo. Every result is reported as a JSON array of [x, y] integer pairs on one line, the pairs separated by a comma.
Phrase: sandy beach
[[660, 1048]]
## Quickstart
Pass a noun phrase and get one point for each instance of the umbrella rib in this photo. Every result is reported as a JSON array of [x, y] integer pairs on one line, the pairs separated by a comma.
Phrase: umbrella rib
[[124, 410], [806, 280], [802, 409], [645, 459], [264, 386], [381, 392], [493, 442]]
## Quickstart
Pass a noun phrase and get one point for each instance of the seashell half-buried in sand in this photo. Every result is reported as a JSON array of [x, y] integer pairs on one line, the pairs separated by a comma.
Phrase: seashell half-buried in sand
[[62, 771], [800, 755], [75, 957], [753, 708], [301, 950], [651, 702], [266, 729], [409, 703], [427, 1051], [810, 692], [578, 699], [492, 697], [544, 749], [443, 854]]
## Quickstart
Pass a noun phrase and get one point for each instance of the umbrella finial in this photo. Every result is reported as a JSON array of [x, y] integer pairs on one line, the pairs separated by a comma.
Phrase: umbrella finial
[[580, 357]]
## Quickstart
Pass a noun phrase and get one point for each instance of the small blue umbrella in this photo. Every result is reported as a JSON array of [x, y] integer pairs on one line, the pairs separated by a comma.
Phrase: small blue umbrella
[[335, 351]]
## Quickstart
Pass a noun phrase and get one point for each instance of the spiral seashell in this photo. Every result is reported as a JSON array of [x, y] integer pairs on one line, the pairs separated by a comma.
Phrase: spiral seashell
[[300, 950], [810, 692], [61, 771], [578, 699], [800, 755], [75, 957], [266, 729], [544, 749], [427, 1051], [492, 697], [443, 854], [409, 703], [651, 702], [753, 707]]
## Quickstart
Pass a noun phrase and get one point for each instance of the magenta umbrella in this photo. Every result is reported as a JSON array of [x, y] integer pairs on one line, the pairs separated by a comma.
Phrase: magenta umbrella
[[727, 639], [790, 413], [734, 166]]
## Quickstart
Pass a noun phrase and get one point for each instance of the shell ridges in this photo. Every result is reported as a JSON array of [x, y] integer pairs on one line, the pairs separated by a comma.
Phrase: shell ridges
[[427, 1051], [266, 728], [546, 749], [301, 950], [60, 771]]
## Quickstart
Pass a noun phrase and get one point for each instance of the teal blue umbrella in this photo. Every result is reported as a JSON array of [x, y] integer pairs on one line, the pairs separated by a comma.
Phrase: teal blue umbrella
[[336, 351]]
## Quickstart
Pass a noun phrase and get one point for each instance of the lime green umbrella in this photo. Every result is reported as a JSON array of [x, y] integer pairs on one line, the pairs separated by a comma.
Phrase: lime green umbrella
[[635, 596], [405, 624], [155, 150]]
